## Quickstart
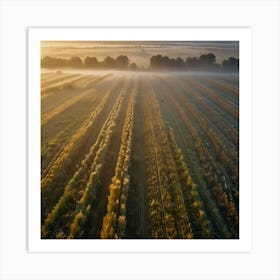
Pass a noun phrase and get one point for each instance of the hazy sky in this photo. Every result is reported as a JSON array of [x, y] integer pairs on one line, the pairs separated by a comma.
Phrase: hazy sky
[[139, 52]]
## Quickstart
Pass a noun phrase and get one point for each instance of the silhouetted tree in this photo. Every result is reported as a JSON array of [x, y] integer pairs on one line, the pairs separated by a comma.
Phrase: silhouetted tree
[[109, 62], [191, 62], [90, 61], [180, 63], [75, 61], [133, 66], [207, 59], [51, 62], [156, 61], [166, 63], [160, 62], [231, 64], [122, 61]]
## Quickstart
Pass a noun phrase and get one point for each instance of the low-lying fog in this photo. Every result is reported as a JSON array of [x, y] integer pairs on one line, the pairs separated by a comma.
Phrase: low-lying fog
[[120, 73]]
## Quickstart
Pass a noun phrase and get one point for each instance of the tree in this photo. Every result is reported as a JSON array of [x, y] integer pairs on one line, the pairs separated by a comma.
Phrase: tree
[[75, 61], [90, 61], [156, 61], [207, 59], [109, 62], [122, 61], [51, 62], [231, 64], [191, 62], [133, 66], [180, 63]]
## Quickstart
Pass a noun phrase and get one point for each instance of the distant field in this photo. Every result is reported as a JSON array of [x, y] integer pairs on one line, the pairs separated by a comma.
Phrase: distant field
[[139, 155]]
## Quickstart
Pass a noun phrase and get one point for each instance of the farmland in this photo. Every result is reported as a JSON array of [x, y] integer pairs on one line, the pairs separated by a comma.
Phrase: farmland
[[139, 155]]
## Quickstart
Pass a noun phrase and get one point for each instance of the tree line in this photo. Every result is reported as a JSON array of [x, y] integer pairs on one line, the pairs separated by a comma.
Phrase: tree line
[[157, 62], [204, 62], [121, 61]]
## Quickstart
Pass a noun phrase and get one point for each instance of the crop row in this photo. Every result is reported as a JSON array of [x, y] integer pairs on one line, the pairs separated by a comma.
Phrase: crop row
[[92, 81], [50, 89], [55, 79], [226, 131], [213, 176], [221, 102], [168, 214], [89, 194], [228, 136], [228, 158], [114, 223], [223, 128], [226, 88], [192, 200], [64, 156], [74, 206], [47, 75], [64, 106]]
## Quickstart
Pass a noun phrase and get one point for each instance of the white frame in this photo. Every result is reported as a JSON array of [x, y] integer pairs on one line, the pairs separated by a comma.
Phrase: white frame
[[243, 35], [262, 16]]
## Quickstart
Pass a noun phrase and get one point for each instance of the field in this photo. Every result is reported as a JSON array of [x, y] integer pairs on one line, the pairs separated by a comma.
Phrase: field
[[139, 155]]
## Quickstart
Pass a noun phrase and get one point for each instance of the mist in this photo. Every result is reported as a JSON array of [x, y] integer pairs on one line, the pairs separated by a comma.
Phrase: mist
[[140, 73]]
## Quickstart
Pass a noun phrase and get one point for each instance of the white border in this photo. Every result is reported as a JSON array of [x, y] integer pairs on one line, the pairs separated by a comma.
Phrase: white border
[[243, 35], [16, 262]]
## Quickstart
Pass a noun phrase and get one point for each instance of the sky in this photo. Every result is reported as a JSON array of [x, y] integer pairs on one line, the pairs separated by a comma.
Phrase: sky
[[139, 52]]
